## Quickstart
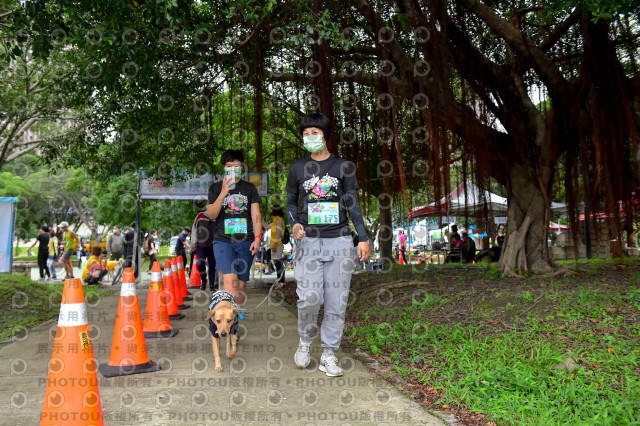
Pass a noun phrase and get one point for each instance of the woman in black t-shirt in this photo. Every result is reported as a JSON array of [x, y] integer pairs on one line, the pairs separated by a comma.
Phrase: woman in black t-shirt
[[235, 205], [321, 189]]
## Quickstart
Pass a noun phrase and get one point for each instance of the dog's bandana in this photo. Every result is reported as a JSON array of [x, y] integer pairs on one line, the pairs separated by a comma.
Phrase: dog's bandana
[[216, 298]]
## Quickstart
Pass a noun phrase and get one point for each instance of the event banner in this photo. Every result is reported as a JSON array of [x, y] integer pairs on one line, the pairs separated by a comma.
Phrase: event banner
[[196, 188]]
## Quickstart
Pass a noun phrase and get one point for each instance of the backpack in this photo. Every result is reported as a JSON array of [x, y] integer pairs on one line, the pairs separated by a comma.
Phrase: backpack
[[286, 236]]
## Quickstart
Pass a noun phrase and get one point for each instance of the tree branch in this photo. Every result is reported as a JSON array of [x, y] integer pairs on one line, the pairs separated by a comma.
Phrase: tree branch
[[18, 154], [560, 30], [544, 66]]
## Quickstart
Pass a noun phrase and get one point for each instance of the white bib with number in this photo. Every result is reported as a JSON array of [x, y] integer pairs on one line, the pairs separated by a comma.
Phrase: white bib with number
[[324, 213]]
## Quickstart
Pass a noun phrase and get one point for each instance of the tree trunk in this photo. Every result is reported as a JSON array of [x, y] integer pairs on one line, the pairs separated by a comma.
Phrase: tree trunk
[[525, 245], [385, 236]]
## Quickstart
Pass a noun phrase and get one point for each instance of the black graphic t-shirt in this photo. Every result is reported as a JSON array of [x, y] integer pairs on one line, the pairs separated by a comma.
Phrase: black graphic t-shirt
[[319, 188], [234, 223]]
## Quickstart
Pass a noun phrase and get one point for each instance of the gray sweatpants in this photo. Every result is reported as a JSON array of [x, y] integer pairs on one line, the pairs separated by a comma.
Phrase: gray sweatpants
[[323, 275]]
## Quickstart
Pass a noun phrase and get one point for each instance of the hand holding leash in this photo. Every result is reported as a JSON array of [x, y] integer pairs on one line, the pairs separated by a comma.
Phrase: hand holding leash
[[298, 231]]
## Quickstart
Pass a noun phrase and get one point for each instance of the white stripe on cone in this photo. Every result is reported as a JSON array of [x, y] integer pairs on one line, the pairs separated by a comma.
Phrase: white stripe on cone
[[128, 289], [73, 314]]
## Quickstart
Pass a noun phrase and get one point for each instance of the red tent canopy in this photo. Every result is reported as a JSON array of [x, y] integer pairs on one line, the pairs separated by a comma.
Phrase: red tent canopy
[[557, 227]]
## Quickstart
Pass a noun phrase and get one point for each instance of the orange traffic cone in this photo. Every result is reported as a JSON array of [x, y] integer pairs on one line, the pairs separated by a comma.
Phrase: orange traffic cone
[[72, 396], [156, 316], [401, 259], [194, 279], [128, 349], [177, 288], [183, 280], [169, 292]]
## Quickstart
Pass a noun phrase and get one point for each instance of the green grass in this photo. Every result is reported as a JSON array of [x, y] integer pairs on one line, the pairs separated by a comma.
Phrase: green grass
[[508, 372], [25, 303]]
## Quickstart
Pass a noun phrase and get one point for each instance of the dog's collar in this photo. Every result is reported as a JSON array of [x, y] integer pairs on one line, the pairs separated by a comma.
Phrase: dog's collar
[[219, 296]]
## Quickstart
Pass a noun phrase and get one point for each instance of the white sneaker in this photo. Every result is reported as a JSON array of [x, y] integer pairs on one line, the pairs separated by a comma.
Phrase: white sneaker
[[302, 354], [329, 365]]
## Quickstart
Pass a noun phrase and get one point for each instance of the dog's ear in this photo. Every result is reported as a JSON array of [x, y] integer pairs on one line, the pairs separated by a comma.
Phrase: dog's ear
[[209, 315], [236, 310]]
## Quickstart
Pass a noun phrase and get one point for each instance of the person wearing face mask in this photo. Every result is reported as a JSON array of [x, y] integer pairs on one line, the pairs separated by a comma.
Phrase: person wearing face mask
[[234, 204], [321, 189], [115, 244]]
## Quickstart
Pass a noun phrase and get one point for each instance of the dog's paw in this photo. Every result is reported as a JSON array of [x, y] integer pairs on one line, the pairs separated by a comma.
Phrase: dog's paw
[[218, 368], [231, 355]]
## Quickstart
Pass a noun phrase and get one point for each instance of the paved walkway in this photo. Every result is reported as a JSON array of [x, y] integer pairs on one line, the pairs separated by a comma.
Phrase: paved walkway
[[261, 385]]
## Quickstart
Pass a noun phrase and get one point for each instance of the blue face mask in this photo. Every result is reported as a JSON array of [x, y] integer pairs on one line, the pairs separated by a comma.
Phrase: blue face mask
[[313, 143]]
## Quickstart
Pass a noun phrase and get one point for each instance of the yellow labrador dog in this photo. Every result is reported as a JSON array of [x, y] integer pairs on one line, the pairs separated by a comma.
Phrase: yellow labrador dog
[[223, 322]]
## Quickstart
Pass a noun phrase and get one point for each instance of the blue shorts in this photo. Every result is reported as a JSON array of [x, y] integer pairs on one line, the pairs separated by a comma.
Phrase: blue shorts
[[234, 258]]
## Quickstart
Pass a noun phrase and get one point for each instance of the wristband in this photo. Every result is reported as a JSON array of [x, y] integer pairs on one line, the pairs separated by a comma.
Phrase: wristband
[[259, 237]]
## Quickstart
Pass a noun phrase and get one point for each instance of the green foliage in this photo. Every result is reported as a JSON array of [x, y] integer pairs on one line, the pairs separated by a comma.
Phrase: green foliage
[[511, 376], [25, 303], [603, 9], [527, 297], [493, 273]]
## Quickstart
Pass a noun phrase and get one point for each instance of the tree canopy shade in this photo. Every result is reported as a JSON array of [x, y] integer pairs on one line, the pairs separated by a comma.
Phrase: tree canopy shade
[[506, 91]]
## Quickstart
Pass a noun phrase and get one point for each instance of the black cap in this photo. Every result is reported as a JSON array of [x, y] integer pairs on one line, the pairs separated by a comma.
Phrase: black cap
[[187, 228]]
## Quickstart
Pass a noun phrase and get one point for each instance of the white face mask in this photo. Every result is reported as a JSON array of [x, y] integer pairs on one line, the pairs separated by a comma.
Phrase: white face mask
[[115, 231]]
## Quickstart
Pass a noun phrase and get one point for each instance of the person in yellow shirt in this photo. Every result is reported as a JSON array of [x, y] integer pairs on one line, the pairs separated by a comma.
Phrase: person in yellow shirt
[[276, 246], [96, 267], [70, 241], [53, 253]]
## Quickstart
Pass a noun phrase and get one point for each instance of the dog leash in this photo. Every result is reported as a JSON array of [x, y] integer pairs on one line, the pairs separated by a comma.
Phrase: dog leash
[[296, 254]]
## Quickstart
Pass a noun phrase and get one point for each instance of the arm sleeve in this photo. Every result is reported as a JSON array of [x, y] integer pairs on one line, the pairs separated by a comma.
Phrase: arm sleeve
[[350, 185], [292, 197], [351, 202]]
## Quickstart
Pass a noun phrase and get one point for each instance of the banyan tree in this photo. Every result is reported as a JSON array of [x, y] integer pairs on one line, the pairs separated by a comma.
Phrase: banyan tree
[[517, 91], [520, 93]]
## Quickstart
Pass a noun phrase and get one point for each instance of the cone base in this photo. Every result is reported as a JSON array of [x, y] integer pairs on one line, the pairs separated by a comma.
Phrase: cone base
[[110, 371], [160, 334], [176, 316], [183, 306], [187, 299], [197, 286]]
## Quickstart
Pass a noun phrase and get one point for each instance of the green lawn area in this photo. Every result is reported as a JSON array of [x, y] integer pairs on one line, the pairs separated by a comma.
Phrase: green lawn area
[[25, 303], [548, 351]]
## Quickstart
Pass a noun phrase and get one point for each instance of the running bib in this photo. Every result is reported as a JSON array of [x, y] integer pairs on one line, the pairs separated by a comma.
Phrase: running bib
[[323, 213], [235, 226]]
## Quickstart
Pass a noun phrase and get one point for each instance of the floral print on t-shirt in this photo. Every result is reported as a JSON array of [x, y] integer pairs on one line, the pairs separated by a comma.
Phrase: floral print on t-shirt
[[235, 203], [321, 187]]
